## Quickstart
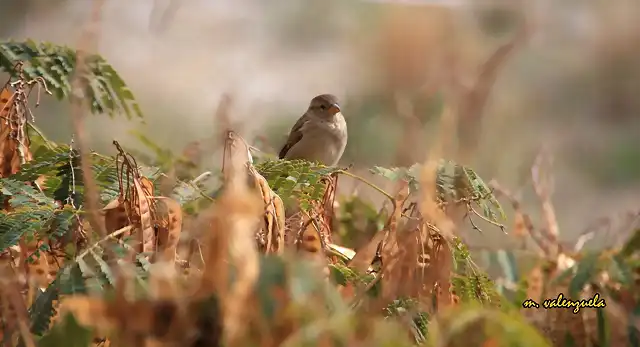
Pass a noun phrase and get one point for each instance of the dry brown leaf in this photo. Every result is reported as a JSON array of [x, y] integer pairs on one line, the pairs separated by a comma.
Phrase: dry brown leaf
[[326, 207], [115, 216], [394, 254], [527, 224], [361, 261], [169, 226], [543, 186], [274, 217], [147, 236], [147, 186], [14, 144], [14, 303]]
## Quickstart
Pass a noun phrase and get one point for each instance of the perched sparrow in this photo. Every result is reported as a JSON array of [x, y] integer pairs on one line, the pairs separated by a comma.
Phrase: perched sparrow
[[320, 135]]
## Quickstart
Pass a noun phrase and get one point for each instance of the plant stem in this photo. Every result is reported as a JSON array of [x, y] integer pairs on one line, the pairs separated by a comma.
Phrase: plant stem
[[365, 181], [47, 143]]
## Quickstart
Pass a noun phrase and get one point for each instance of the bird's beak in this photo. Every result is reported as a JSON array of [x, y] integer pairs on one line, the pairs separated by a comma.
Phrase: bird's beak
[[333, 109]]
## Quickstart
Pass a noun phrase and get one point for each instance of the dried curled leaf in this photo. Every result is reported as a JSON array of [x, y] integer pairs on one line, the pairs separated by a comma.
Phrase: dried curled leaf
[[144, 215], [14, 143], [169, 227], [271, 238]]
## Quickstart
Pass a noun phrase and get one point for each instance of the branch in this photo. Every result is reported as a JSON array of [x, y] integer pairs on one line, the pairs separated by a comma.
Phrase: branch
[[540, 241]]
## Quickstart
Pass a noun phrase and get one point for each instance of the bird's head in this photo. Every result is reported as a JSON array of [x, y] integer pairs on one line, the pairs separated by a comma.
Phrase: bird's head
[[324, 106]]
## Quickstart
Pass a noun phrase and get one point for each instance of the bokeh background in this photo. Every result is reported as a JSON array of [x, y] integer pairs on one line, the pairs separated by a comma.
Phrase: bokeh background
[[571, 82]]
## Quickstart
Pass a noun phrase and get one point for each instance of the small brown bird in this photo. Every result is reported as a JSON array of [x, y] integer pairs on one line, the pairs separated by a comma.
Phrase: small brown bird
[[320, 135]]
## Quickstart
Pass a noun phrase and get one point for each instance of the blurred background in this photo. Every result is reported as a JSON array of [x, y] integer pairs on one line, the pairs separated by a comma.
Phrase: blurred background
[[565, 74]]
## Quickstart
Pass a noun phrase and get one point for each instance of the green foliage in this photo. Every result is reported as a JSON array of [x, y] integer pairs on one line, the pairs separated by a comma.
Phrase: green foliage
[[32, 213], [419, 320], [474, 325], [54, 212], [63, 176], [343, 275], [471, 283], [42, 310], [36, 213], [296, 178], [584, 272], [68, 333], [453, 183], [358, 221], [106, 91]]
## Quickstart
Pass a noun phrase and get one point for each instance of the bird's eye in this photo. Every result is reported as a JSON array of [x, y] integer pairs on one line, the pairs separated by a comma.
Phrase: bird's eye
[[323, 107]]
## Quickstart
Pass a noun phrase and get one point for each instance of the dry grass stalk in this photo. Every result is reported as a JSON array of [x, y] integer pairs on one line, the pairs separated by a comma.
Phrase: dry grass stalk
[[169, 227], [326, 207], [527, 224], [472, 101], [555, 324], [438, 230], [391, 250], [235, 220], [543, 186], [14, 308], [79, 83]]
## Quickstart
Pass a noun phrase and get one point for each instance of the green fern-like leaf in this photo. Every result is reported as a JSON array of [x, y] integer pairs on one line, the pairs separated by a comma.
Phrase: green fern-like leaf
[[71, 186], [46, 162], [471, 283], [72, 280], [106, 90], [107, 180], [453, 182], [403, 306], [42, 310], [63, 175], [32, 212], [299, 178]]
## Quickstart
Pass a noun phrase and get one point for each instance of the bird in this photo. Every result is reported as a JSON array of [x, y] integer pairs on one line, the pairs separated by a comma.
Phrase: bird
[[320, 135]]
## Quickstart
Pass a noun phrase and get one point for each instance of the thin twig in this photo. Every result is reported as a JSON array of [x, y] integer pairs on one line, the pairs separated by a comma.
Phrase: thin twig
[[365, 181], [112, 236], [394, 258], [19, 305], [191, 184], [47, 142], [539, 239], [484, 218]]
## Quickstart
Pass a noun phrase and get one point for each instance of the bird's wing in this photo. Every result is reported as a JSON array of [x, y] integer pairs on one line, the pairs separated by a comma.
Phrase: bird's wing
[[294, 136]]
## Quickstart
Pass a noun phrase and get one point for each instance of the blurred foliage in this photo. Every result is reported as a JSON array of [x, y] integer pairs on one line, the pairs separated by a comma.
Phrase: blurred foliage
[[106, 91], [293, 303]]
